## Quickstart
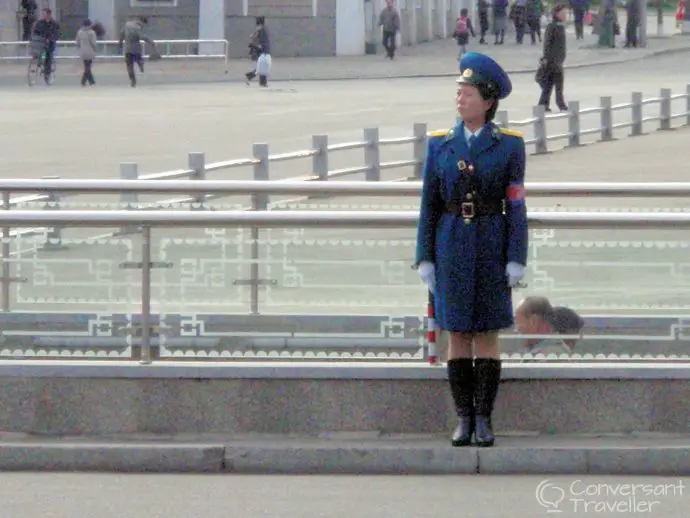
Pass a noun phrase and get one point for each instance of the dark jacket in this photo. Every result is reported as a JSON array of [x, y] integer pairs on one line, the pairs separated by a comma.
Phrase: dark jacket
[[259, 43], [48, 30], [554, 43]]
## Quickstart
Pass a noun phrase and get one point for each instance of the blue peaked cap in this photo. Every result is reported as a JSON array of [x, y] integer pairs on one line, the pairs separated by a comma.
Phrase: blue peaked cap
[[478, 69]]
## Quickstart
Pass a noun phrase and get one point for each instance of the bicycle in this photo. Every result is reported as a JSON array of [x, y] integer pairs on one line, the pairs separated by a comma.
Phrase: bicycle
[[37, 68]]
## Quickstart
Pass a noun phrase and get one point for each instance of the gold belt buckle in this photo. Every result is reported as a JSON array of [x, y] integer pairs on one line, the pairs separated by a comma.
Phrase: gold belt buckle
[[467, 210]]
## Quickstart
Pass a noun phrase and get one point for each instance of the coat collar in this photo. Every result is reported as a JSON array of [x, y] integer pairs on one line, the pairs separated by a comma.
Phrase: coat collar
[[488, 137]]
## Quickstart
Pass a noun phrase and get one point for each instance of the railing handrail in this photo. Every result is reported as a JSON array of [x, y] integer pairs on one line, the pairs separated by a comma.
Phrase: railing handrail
[[354, 188], [73, 43], [322, 219]]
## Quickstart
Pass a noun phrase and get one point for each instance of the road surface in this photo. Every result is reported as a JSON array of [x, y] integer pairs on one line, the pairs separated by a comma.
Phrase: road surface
[[181, 496]]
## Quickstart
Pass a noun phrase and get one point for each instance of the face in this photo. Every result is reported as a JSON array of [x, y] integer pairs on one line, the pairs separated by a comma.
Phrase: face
[[471, 106], [46, 15], [560, 15], [525, 324], [389, 3]]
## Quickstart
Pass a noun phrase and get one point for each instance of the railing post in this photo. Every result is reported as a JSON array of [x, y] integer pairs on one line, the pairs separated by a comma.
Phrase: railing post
[[145, 295], [687, 105], [320, 159], [197, 163], [665, 109], [6, 265], [574, 124], [419, 131], [606, 104], [502, 118], [129, 200], [637, 114], [259, 202], [54, 235], [372, 155], [540, 144]]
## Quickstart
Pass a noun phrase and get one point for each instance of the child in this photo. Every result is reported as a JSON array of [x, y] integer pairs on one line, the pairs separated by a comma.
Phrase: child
[[463, 29]]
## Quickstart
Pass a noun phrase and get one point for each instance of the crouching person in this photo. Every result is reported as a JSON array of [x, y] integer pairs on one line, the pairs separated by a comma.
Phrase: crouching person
[[472, 241]]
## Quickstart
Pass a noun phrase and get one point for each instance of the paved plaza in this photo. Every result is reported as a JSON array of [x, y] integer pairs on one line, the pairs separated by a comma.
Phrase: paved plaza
[[181, 496], [425, 59]]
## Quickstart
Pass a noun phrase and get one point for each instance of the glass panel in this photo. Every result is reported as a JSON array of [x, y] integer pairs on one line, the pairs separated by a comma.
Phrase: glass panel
[[326, 292], [321, 293], [72, 294]]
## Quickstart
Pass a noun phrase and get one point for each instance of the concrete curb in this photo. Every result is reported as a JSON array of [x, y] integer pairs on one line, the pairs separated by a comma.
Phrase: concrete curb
[[336, 459], [109, 457], [530, 70]]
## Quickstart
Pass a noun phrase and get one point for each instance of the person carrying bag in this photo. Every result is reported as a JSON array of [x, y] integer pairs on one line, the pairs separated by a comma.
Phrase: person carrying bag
[[260, 51]]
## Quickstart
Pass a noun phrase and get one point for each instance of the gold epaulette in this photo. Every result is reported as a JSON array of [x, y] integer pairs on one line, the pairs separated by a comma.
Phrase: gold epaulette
[[439, 133], [512, 133]]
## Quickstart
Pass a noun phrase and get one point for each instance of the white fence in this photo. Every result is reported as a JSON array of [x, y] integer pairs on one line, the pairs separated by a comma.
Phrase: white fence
[[13, 51]]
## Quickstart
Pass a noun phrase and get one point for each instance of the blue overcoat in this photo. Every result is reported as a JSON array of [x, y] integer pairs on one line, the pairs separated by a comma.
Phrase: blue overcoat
[[472, 293]]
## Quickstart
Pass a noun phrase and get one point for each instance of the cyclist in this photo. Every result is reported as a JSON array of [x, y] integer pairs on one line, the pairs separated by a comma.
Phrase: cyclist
[[44, 37]]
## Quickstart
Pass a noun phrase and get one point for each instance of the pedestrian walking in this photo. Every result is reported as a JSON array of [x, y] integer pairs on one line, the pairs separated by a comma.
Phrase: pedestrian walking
[[260, 53], [520, 20], [579, 7], [483, 13], [28, 10], [500, 9], [551, 67], [463, 30], [533, 12], [389, 21], [632, 9], [86, 43], [608, 28], [131, 36], [472, 240]]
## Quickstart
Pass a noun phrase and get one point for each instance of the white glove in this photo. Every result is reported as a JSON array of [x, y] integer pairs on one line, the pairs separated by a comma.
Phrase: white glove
[[514, 272], [427, 271]]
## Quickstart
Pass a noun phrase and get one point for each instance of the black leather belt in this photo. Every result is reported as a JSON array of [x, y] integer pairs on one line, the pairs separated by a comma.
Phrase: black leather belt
[[475, 208]]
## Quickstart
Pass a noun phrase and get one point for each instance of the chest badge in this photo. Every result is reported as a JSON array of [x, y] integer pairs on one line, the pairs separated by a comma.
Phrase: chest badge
[[462, 166]]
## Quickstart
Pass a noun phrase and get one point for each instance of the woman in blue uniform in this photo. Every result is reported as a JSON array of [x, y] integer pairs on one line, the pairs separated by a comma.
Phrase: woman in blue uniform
[[472, 240]]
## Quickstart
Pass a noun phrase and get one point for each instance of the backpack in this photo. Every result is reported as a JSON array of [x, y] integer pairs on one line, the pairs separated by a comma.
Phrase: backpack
[[461, 27]]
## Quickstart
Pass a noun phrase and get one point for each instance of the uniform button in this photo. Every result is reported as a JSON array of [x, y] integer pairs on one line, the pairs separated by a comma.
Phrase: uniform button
[[468, 196]]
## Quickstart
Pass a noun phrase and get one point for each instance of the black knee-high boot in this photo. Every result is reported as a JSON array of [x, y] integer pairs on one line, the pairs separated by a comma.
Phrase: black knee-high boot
[[488, 376], [461, 380]]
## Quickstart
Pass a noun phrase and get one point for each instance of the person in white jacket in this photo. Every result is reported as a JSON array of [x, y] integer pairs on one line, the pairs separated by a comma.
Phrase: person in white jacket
[[86, 43]]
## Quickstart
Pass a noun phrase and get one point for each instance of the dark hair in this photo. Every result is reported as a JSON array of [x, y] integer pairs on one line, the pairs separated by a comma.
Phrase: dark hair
[[48, 10], [144, 20], [489, 92], [260, 20], [558, 9], [464, 12], [86, 23], [566, 321]]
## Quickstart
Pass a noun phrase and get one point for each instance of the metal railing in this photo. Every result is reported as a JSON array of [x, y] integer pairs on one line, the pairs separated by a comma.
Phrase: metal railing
[[148, 220], [372, 144], [606, 109], [260, 193], [258, 219], [108, 50]]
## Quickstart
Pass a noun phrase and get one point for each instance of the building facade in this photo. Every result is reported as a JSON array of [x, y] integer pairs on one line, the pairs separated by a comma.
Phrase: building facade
[[297, 27]]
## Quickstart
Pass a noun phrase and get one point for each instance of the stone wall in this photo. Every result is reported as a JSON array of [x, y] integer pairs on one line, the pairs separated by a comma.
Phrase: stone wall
[[165, 23], [292, 28]]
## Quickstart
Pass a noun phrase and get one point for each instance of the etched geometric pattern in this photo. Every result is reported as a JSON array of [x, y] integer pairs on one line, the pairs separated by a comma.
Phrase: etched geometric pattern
[[331, 272]]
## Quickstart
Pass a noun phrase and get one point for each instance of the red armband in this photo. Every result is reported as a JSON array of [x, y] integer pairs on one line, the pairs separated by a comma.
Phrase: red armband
[[515, 192]]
